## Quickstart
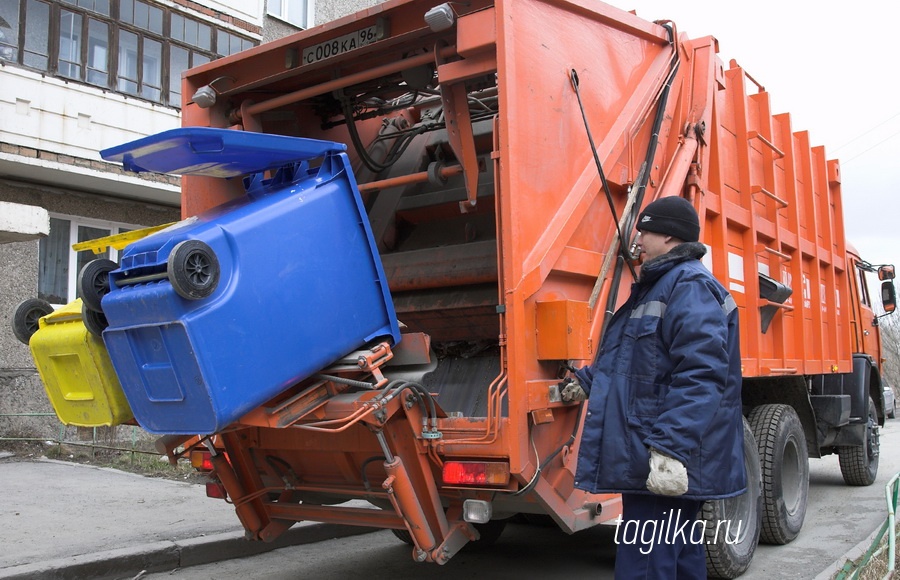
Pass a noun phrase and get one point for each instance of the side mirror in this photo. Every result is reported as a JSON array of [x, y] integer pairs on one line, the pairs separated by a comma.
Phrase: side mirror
[[888, 296], [886, 272]]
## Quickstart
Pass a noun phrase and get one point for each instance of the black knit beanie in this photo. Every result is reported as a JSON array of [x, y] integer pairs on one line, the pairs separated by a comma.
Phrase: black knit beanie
[[671, 216]]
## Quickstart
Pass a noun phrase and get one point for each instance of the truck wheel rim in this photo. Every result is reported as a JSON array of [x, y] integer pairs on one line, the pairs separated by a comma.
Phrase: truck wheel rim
[[791, 477]]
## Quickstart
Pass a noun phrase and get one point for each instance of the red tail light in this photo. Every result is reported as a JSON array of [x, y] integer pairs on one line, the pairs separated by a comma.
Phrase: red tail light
[[201, 460], [476, 473]]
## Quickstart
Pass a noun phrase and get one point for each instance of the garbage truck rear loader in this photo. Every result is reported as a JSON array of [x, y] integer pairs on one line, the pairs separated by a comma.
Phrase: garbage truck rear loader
[[502, 150]]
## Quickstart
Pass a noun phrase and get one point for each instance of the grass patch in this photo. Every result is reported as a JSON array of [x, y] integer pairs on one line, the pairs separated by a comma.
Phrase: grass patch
[[876, 567], [146, 462]]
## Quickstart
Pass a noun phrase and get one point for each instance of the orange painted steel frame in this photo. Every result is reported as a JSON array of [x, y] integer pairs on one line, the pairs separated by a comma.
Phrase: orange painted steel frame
[[769, 203]]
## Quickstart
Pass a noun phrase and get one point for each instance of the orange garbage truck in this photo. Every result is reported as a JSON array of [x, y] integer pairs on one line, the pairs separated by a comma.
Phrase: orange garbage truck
[[502, 150]]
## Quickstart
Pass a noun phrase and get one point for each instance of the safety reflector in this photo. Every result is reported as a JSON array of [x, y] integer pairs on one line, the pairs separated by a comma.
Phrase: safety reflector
[[216, 490], [201, 460], [476, 473]]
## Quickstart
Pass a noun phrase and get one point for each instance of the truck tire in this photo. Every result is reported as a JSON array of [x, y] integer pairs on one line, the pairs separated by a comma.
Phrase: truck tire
[[859, 464], [404, 536], [784, 463], [730, 545], [489, 533]]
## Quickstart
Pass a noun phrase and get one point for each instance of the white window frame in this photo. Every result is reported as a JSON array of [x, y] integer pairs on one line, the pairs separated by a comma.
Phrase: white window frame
[[287, 16], [74, 223]]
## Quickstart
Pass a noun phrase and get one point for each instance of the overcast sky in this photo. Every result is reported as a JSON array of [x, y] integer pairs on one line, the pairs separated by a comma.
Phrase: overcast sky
[[836, 69]]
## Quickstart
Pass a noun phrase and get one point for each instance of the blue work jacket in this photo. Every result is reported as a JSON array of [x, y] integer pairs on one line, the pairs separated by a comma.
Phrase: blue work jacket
[[667, 376]]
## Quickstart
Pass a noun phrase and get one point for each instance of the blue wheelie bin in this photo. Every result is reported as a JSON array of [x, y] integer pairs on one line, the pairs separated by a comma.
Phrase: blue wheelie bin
[[219, 313]]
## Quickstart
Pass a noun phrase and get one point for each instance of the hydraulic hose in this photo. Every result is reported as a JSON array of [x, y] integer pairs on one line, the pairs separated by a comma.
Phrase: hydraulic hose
[[392, 155], [573, 76], [641, 185]]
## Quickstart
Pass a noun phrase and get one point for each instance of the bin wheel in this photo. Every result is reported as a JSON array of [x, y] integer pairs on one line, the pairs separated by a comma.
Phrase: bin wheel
[[25, 318], [93, 282], [193, 270], [94, 321]]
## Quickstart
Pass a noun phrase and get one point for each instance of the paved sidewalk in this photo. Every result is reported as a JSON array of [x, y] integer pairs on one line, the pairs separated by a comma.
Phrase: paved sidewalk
[[61, 520], [66, 520]]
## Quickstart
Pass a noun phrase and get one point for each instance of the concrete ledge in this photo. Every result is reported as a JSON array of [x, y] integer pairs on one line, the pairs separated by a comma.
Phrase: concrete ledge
[[852, 555], [198, 551], [164, 556], [155, 557], [20, 223]]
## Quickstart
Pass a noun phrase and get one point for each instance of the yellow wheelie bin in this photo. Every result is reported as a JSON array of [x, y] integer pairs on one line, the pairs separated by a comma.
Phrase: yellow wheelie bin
[[67, 347], [76, 371]]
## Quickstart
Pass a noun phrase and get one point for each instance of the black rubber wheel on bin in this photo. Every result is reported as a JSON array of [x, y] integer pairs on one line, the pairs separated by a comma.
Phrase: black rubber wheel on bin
[[25, 318], [94, 321], [93, 282], [193, 270]]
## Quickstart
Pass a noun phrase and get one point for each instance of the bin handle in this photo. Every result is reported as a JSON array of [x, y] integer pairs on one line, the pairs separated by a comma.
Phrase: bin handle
[[207, 144]]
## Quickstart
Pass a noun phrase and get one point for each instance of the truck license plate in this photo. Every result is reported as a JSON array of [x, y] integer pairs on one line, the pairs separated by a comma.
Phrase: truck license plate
[[340, 45]]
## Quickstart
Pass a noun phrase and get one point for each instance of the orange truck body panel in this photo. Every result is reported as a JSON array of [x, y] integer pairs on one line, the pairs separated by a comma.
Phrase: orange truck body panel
[[529, 265]]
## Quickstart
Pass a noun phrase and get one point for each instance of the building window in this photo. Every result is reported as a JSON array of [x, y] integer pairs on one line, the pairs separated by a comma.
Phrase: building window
[[9, 31], [191, 31], [134, 47], [296, 12], [70, 44], [128, 63], [180, 60], [228, 43], [98, 6], [142, 15], [140, 66], [36, 52], [151, 70], [98, 53], [60, 264]]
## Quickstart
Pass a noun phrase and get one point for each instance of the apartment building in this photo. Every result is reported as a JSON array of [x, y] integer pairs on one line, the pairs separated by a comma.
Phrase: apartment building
[[79, 76]]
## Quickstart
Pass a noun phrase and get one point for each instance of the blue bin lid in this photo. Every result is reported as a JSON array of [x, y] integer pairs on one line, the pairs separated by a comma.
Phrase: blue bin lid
[[215, 152]]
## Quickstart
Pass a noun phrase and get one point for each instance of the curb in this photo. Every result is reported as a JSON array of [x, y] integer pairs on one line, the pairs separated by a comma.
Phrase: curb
[[165, 556], [851, 555]]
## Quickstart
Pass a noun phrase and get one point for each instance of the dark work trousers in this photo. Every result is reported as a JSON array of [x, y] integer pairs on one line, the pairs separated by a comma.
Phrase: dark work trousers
[[657, 538]]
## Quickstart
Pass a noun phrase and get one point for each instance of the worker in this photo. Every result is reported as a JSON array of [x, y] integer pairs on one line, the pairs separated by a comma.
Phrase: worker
[[663, 425]]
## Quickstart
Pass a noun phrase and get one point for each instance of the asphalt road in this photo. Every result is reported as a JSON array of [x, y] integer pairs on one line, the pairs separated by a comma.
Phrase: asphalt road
[[838, 518]]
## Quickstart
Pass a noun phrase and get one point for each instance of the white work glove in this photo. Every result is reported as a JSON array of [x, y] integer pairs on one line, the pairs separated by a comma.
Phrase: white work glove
[[573, 391], [668, 476]]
